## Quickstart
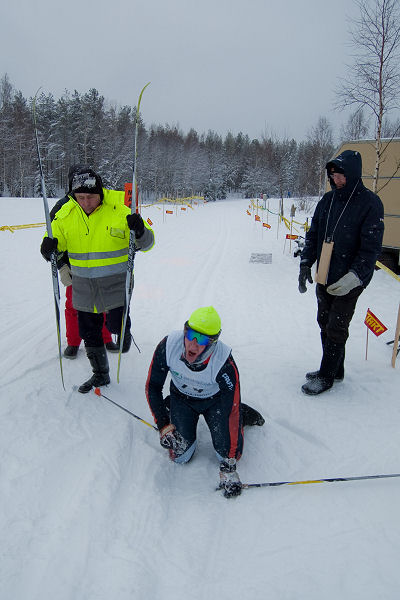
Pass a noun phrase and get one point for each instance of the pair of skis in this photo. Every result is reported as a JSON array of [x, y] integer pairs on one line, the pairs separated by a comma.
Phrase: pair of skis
[[131, 249]]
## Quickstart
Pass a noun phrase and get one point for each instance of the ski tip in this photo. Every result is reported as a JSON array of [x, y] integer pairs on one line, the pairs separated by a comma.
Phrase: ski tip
[[97, 391]]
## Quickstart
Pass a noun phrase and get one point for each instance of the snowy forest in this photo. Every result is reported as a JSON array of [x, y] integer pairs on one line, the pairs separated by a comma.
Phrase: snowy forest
[[86, 128]]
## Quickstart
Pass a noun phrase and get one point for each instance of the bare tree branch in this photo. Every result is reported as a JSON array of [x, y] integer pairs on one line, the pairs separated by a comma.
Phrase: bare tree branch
[[373, 80]]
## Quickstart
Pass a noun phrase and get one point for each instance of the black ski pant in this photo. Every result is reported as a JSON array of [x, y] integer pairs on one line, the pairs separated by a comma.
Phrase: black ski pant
[[91, 325], [185, 413], [335, 313]]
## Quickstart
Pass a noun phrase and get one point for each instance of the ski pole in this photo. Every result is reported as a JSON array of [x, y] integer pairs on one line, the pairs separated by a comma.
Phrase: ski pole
[[53, 260], [129, 282], [396, 340], [97, 391], [330, 480]]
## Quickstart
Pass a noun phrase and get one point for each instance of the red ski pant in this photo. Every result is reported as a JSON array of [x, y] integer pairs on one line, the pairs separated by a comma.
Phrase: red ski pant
[[71, 322]]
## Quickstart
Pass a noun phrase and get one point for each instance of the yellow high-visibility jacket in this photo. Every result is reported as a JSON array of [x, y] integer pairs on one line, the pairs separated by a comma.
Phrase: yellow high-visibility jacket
[[97, 248]]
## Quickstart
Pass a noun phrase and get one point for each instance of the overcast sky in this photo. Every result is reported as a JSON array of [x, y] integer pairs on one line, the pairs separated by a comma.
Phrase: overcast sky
[[256, 66]]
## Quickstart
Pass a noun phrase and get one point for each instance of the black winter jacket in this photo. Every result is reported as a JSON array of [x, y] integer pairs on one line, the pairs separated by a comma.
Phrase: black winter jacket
[[352, 217]]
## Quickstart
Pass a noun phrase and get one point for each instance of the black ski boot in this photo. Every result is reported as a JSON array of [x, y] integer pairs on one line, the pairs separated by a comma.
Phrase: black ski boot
[[99, 361], [71, 352], [330, 369], [250, 416]]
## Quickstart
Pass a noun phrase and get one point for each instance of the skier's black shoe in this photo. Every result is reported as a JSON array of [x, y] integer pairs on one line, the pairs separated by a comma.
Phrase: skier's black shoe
[[112, 347], [250, 416], [315, 374], [71, 351]]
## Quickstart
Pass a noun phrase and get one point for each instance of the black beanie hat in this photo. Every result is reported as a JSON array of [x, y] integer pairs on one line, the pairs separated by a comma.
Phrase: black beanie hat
[[72, 171], [332, 167], [86, 181]]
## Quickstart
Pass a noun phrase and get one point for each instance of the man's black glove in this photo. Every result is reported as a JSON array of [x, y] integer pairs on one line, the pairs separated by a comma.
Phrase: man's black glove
[[49, 245], [304, 275], [135, 222]]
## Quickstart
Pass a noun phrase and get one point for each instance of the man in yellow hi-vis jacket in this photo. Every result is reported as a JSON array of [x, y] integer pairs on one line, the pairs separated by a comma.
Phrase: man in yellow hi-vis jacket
[[94, 226]]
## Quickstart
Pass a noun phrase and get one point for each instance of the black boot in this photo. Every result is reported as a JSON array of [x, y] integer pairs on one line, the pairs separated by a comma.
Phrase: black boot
[[99, 361], [127, 341], [339, 375], [332, 361], [250, 416], [71, 352]]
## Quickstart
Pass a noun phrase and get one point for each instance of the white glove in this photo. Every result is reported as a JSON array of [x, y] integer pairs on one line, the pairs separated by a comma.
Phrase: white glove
[[345, 284], [65, 275]]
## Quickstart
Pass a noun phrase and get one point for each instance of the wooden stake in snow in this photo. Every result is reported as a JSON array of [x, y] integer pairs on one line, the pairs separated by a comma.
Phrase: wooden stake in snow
[[396, 339]]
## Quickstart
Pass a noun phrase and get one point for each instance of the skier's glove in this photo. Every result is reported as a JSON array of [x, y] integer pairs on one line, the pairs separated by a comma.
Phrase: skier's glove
[[345, 284], [229, 479], [65, 275], [49, 245], [135, 222], [304, 275], [167, 436], [172, 441]]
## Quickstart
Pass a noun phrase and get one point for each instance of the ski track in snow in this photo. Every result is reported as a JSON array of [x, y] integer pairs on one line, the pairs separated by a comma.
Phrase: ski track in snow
[[92, 508]]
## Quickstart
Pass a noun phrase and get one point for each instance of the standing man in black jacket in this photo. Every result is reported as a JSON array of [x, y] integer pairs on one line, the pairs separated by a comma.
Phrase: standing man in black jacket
[[345, 238]]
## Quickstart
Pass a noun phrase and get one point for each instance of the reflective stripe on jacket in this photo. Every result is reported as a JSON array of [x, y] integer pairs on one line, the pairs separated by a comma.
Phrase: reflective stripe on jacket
[[97, 244]]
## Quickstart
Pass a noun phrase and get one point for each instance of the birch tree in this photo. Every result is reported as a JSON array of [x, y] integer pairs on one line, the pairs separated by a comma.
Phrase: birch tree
[[373, 81]]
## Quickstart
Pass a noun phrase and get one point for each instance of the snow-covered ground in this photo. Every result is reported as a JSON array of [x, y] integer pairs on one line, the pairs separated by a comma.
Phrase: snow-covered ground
[[90, 506]]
